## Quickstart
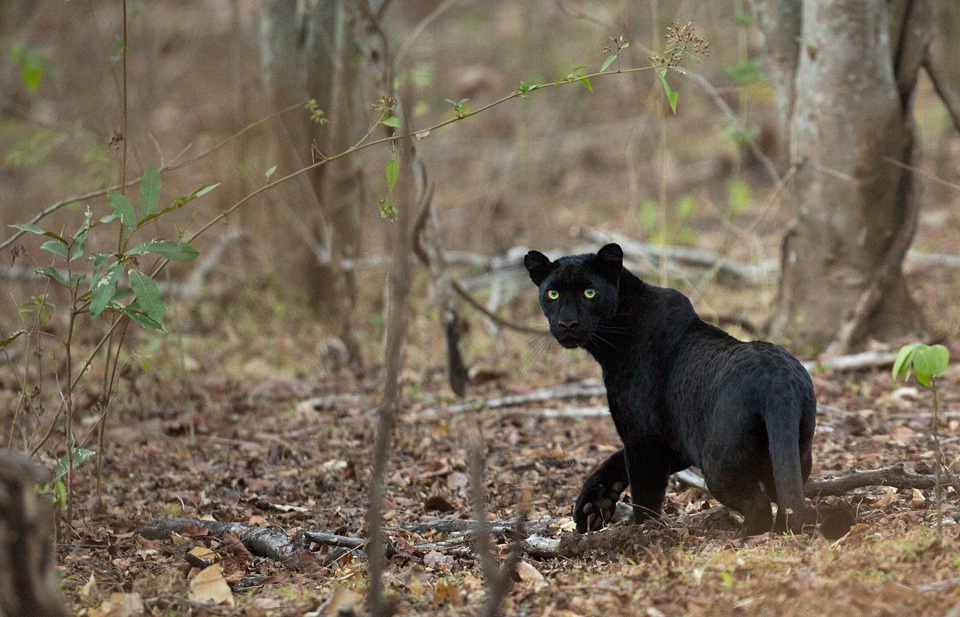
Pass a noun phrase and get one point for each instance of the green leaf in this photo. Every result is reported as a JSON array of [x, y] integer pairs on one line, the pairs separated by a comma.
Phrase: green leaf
[[79, 455], [60, 494], [149, 296], [29, 228], [55, 247], [940, 358], [606, 63], [671, 95], [586, 83], [392, 121], [150, 190], [124, 209], [104, 289], [5, 342], [393, 173], [52, 273], [36, 230], [181, 252], [525, 89], [140, 318], [271, 171], [924, 379], [903, 361], [179, 203], [203, 190]]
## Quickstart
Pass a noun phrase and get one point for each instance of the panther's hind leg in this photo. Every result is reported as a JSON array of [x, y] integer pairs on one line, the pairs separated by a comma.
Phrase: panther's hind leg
[[739, 489]]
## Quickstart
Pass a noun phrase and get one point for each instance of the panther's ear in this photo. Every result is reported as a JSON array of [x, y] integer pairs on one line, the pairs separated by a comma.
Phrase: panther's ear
[[610, 259], [538, 265]]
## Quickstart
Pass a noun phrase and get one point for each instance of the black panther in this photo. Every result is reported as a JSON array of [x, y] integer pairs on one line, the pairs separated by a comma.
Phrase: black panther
[[681, 392]]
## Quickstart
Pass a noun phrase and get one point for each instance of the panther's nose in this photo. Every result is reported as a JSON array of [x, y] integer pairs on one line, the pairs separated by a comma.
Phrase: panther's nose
[[568, 324]]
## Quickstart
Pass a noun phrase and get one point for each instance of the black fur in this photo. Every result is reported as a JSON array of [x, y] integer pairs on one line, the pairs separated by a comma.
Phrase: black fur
[[681, 392]]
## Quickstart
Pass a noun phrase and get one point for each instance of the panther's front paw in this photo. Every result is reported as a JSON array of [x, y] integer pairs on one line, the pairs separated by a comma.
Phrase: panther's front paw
[[596, 504]]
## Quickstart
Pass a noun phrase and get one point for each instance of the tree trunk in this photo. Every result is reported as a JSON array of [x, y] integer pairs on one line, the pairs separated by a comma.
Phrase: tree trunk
[[849, 106], [307, 51], [28, 576], [332, 42]]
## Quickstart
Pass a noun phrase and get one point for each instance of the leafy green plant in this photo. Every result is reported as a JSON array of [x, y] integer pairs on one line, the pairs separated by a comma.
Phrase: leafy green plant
[[927, 362], [55, 487], [114, 286]]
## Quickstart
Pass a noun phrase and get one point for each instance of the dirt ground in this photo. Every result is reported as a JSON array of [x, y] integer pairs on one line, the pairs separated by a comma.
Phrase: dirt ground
[[230, 440]]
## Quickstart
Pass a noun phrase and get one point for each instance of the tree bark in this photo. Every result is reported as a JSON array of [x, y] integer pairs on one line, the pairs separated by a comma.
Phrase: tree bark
[[850, 114], [308, 50]]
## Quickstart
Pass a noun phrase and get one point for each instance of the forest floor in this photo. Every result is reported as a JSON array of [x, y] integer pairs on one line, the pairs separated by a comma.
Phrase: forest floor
[[246, 413], [255, 422]]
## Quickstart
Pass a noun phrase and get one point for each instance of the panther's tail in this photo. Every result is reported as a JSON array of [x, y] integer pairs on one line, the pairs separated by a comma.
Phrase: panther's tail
[[789, 432]]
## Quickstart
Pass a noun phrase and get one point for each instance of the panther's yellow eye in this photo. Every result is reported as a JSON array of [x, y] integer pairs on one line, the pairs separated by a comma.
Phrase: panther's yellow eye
[[553, 294], [589, 293]]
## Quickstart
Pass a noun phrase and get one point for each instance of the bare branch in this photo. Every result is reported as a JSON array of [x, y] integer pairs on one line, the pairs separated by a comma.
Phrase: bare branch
[[177, 163]]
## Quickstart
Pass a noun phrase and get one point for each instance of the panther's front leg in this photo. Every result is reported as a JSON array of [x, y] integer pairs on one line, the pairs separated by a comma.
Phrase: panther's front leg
[[601, 490]]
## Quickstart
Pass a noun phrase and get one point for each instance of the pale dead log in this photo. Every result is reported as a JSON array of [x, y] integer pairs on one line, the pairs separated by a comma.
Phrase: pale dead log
[[584, 389], [28, 576], [755, 273], [853, 362]]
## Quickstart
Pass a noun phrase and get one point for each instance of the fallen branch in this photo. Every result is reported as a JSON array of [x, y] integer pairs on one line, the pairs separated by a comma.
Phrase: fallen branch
[[853, 362], [762, 272], [892, 475], [263, 542], [584, 389]]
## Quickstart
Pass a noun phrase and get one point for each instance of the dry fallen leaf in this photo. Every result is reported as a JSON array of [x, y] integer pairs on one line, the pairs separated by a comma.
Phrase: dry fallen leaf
[[210, 586], [202, 552], [120, 605], [566, 524], [917, 499], [889, 498], [530, 575], [258, 521], [89, 587]]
